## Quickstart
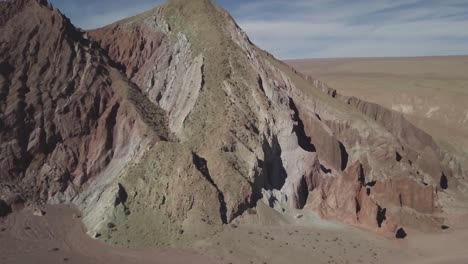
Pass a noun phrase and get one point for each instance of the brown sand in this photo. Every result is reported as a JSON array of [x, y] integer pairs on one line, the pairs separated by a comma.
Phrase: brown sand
[[59, 237], [310, 239]]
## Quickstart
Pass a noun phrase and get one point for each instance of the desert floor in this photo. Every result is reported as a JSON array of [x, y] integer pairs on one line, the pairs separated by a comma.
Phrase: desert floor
[[59, 237], [431, 91]]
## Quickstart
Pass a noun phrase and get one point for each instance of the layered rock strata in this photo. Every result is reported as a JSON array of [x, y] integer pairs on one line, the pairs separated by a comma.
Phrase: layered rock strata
[[169, 124]]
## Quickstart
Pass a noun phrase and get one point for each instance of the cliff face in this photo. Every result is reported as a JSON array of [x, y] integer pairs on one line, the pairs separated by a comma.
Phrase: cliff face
[[64, 111], [70, 122], [172, 122], [281, 135]]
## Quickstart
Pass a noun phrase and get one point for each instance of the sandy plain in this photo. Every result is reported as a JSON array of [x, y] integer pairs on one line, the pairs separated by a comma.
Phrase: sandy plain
[[292, 237]]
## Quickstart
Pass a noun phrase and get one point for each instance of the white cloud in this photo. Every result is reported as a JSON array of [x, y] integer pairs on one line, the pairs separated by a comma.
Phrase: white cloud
[[319, 28]]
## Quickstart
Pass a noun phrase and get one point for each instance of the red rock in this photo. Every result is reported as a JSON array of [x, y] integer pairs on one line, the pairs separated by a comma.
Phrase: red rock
[[60, 100]]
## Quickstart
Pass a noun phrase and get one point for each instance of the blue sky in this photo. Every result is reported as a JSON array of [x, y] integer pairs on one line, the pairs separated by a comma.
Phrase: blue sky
[[320, 28]]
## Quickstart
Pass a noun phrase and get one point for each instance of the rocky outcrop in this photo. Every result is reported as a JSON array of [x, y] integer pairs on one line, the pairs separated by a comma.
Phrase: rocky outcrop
[[164, 68], [67, 116]]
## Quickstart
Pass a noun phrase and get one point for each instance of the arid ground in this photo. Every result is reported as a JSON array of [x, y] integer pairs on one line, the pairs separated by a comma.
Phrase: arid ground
[[297, 237]]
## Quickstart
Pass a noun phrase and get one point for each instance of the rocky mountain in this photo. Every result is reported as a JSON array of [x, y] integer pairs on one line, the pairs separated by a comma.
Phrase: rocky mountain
[[165, 126]]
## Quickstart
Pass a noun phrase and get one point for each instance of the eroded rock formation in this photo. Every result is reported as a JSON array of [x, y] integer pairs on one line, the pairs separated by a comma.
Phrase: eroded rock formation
[[199, 125]]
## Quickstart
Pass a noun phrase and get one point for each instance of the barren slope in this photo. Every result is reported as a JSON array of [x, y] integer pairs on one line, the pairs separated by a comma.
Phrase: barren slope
[[65, 112]]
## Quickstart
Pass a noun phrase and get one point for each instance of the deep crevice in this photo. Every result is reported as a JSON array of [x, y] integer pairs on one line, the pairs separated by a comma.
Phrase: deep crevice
[[325, 169], [5, 209], [158, 97], [344, 156], [273, 165], [303, 193], [271, 201], [358, 206], [169, 60], [381, 217], [202, 69], [318, 116], [443, 182], [371, 183], [305, 142], [111, 121], [361, 177], [260, 84], [201, 165], [398, 156], [251, 127]]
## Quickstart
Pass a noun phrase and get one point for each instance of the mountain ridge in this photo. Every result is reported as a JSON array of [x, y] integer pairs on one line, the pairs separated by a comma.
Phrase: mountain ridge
[[204, 126]]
